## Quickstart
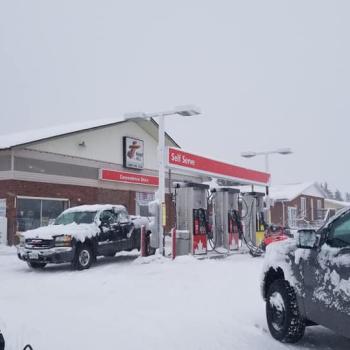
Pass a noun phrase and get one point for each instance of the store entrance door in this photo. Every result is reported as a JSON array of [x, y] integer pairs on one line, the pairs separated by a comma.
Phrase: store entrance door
[[142, 201]]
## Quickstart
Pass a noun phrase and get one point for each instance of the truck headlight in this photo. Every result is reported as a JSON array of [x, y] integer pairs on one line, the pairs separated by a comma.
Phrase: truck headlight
[[63, 241]]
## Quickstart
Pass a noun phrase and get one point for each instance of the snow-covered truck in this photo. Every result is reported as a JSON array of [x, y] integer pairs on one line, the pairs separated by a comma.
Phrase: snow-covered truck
[[82, 233], [306, 280]]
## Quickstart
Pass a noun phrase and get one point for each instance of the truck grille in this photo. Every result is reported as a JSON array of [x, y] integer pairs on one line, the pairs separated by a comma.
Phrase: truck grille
[[37, 243]]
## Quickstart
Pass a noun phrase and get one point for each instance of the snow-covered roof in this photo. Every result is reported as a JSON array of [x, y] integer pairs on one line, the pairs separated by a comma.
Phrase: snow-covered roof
[[337, 203], [28, 136], [291, 191], [39, 134]]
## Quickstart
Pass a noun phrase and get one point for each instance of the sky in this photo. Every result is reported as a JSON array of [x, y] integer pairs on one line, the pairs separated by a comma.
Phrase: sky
[[266, 74]]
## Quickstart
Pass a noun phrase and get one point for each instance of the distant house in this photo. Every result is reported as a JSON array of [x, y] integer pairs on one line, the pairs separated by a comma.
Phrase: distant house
[[297, 205]]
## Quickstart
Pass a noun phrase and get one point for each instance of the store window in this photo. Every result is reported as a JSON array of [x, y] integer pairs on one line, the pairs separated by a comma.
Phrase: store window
[[142, 200], [32, 213], [303, 207]]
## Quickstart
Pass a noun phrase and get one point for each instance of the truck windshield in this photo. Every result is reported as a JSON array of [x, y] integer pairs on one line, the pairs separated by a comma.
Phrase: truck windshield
[[79, 217]]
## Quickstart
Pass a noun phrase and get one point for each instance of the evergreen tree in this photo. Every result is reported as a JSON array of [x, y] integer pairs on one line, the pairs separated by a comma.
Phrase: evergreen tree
[[327, 191], [338, 196], [347, 196]]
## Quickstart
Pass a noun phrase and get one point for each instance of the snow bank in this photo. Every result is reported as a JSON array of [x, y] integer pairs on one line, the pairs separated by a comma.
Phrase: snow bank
[[132, 303]]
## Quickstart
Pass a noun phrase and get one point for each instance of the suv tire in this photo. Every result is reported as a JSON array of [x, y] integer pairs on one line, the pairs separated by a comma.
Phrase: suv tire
[[36, 265], [83, 258], [282, 313]]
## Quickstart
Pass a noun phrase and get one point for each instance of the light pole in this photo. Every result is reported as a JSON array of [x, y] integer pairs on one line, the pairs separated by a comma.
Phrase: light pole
[[283, 151], [184, 111]]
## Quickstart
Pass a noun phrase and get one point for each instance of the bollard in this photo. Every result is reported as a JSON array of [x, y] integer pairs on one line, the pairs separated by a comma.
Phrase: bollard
[[173, 242], [143, 243]]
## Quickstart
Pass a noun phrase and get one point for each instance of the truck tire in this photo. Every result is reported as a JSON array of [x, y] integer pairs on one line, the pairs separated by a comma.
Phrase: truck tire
[[36, 265], [83, 258], [282, 313]]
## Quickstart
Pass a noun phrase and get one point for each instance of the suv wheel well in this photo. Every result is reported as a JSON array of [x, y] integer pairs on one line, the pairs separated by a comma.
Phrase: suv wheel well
[[89, 243], [271, 276]]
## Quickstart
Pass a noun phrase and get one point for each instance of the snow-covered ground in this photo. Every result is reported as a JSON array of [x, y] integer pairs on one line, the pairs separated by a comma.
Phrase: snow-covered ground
[[131, 303]]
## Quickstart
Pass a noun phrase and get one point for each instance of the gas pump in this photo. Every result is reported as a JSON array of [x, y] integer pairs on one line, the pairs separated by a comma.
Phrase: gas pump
[[192, 227], [254, 217], [226, 218]]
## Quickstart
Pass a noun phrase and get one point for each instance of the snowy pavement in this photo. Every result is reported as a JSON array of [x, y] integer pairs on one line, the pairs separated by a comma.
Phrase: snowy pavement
[[131, 303]]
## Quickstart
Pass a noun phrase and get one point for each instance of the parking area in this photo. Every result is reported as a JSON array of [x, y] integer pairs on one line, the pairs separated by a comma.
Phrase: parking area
[[150, 303]]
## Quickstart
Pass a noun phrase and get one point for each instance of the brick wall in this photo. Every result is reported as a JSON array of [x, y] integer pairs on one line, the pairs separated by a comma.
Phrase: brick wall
[[277, 214], [277, 211], [77, 195]]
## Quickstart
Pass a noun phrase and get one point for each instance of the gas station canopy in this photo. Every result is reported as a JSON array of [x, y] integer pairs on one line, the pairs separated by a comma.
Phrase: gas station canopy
[[179, 159]]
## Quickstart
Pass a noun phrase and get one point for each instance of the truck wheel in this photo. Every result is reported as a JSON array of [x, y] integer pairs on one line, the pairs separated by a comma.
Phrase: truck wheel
[[83, 257], [282, 313], [36, 265]]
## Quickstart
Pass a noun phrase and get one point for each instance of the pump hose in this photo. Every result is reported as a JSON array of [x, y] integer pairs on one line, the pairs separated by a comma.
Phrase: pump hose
[[253, 249], [213, 247], [212, 242]]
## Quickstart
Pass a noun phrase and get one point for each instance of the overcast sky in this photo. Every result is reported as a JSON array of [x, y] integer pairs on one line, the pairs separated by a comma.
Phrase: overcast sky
[[266, 74]]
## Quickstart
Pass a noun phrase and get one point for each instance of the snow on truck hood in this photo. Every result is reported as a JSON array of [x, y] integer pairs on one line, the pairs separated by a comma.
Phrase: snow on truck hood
[[79, 232], [277, 252]]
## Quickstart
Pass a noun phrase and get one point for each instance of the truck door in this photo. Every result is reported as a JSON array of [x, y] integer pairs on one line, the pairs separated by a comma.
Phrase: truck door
[[327, 279], [107, 234], [125, 223]]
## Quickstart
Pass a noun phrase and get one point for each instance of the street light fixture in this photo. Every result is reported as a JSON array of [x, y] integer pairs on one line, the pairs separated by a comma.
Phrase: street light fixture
[[283, 151], [184, 111]]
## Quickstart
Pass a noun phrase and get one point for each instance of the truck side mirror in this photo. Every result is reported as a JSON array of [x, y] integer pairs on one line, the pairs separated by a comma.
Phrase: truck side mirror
[[105, 222], [307, 239]]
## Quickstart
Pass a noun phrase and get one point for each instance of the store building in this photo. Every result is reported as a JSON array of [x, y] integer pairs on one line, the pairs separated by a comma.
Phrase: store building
[[42, 172]]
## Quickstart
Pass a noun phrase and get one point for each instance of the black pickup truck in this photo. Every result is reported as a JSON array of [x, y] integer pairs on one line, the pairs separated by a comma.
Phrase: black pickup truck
[[82, 233], [306, 281]]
